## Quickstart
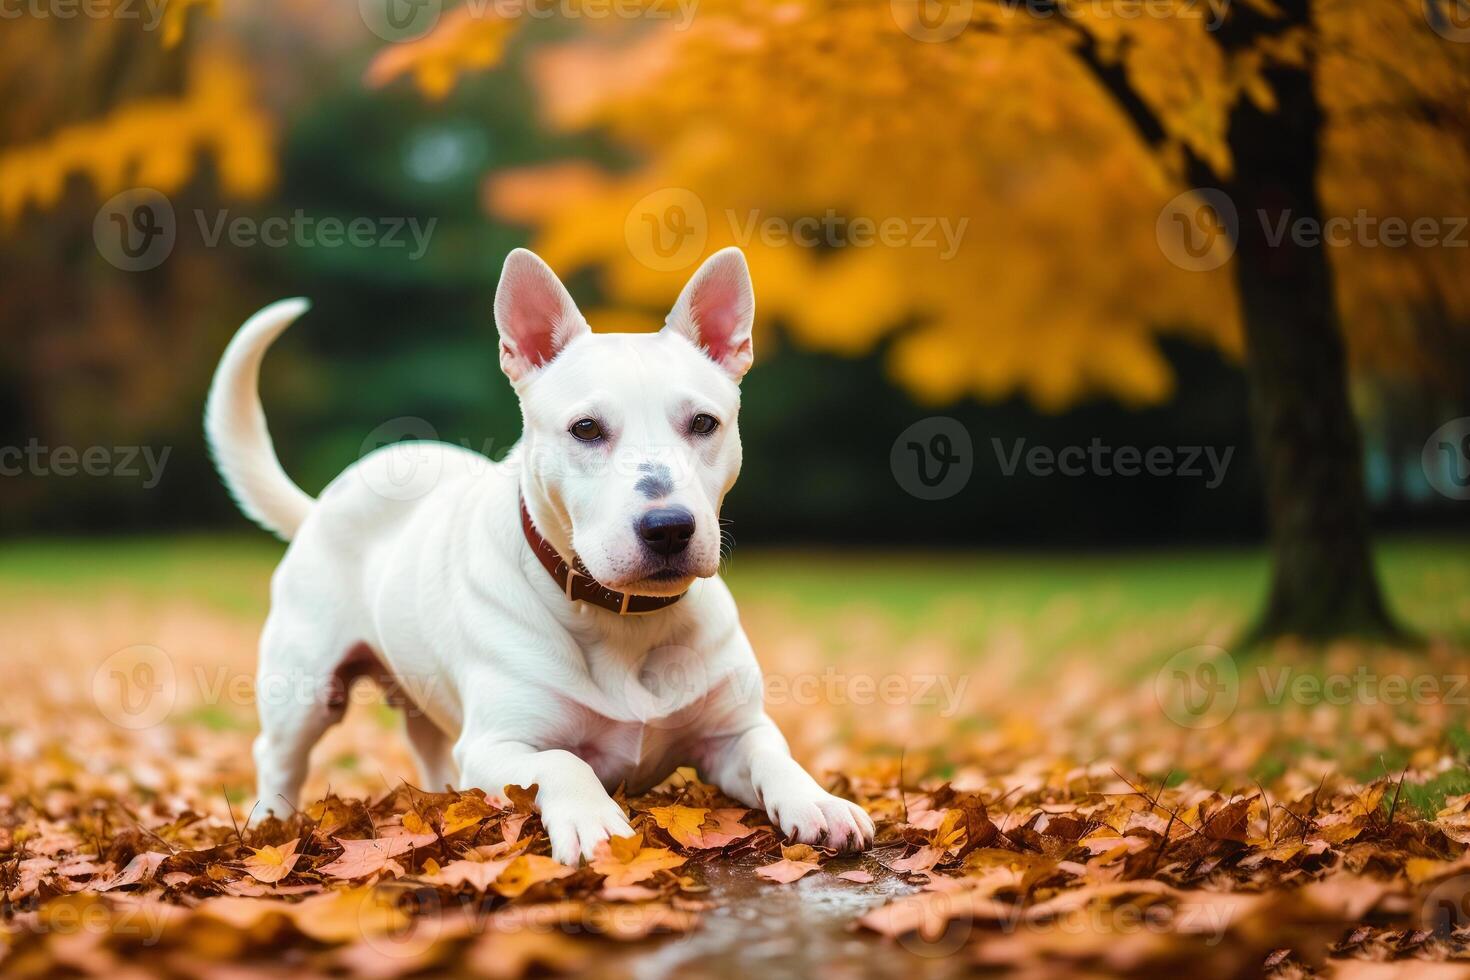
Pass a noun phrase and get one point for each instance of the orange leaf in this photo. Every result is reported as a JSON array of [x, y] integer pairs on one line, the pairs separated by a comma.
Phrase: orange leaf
[[270, 864], [628, 862]]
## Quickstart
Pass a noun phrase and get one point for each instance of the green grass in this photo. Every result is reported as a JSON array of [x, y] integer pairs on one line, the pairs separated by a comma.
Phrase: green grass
[[1072, 595]]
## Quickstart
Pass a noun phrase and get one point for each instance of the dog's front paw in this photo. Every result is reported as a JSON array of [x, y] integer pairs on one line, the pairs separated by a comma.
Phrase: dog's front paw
[[821, 818], [576, 828]]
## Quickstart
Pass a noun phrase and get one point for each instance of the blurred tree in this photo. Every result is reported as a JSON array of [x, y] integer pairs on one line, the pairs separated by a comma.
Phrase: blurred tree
[[1064, 133], [93, 106]]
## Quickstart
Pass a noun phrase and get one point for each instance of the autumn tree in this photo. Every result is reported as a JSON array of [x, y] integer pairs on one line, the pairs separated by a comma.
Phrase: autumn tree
[[126, 96], [1073, 138]]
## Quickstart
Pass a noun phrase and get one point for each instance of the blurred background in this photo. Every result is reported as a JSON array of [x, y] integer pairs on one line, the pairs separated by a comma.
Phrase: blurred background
[[1078, 323], [1112, 365]]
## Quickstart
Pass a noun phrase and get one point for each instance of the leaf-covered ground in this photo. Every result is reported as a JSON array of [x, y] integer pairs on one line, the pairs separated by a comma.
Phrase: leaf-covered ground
[[1067, 767]]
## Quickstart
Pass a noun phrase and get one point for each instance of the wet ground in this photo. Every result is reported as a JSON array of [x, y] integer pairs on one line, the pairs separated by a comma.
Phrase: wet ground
[[804, 929]]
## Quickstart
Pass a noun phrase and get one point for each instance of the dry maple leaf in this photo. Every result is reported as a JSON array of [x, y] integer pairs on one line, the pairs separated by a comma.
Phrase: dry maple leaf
[[360, 858], [468, 811], [797, 861], [522, 798], [330, 815], [625, 861], [727, 828], [528, 870], [139, 869], [480, 875], [270, 864], [682, 822]]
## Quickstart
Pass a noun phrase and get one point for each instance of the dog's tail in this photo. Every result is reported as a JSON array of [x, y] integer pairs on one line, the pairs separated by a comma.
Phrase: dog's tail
[[234, 425]]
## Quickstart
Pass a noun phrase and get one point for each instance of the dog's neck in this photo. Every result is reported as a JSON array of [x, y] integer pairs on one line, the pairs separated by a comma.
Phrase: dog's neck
[[543, 531]]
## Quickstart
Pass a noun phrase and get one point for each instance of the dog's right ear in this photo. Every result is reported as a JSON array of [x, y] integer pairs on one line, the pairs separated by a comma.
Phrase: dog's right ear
[[534, 313]]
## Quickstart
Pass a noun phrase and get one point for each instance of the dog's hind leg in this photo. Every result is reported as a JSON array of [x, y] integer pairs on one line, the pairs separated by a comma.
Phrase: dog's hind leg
[[300, 692], [431, 750]]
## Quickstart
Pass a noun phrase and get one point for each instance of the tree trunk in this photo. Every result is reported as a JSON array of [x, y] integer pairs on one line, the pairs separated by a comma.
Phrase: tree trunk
[[1323, 579], [1323, 582]]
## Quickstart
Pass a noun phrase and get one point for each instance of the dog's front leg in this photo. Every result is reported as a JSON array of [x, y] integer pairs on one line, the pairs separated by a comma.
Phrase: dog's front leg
[[575, 809], [756, 768]]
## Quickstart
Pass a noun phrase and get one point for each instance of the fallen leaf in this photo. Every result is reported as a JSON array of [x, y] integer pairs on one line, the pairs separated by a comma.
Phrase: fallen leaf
[[625, 861], [360, 858], [527, 870], [272, 863], [682, 822]]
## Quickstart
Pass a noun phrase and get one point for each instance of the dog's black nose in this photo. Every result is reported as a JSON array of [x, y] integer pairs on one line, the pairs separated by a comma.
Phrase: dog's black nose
[[666, 530]]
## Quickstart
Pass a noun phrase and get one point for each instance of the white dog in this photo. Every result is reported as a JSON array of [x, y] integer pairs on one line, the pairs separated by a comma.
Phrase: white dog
[[553, 619]]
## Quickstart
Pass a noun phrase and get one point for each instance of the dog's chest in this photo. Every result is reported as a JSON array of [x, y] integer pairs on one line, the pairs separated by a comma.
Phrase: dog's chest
[[633, 753]]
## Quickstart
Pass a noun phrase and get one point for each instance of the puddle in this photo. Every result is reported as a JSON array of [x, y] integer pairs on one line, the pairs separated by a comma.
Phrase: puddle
[[803, 930]]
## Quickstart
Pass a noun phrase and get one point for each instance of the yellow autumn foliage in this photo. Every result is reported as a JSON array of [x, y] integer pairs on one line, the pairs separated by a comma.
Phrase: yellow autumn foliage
[[154, 142], [1058, 287]]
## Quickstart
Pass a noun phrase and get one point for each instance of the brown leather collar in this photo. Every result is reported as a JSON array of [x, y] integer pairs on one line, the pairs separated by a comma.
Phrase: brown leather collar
[[578, 586]]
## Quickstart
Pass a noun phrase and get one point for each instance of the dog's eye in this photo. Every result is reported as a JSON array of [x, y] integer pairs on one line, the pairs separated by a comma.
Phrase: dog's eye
[[587, 430], [703, 424]]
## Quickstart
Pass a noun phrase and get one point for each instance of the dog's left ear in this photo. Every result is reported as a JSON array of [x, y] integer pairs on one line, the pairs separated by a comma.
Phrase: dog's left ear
[[535, 314], [716, 310]]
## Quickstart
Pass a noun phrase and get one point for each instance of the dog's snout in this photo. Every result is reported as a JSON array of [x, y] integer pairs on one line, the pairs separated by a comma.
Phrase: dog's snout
[[666, 530]]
